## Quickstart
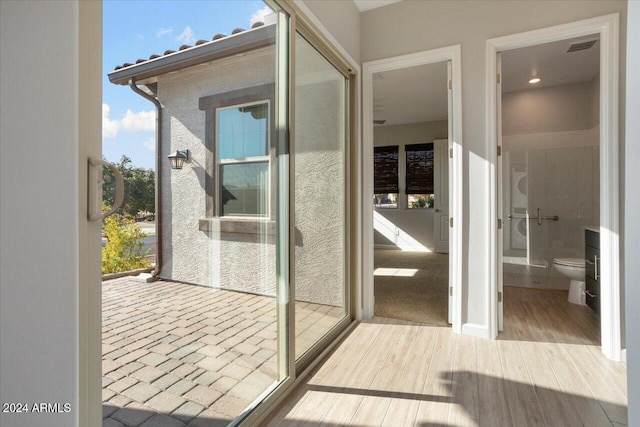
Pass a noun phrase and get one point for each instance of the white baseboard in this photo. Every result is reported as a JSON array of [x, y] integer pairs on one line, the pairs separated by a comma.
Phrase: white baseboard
[[623, 355], [474, 330]]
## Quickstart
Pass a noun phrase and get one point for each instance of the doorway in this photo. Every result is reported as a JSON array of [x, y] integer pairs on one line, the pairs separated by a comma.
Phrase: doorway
[[549, 189], [410, 174], [604, 29], [414, 157]]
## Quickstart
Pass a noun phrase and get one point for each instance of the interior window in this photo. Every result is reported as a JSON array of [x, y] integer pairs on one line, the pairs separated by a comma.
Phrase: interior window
[[385, 177], [419, 176]]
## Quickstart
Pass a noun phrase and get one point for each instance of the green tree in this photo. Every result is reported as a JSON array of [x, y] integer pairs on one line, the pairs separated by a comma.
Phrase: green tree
[[123, 251], [139, 188]]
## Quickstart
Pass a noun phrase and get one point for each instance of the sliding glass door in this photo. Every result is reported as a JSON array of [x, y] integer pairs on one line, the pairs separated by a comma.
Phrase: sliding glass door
[[251, 237], [320, 201]]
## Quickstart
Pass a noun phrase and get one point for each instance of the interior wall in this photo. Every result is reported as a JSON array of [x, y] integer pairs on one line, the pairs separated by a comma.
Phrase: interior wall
[[412, 26], [342, 19], [632, 202], [418, 223], [39, 224], [550, 109]]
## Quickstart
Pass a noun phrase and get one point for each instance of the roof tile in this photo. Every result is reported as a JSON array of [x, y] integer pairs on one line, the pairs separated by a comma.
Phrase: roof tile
[[185, 46]]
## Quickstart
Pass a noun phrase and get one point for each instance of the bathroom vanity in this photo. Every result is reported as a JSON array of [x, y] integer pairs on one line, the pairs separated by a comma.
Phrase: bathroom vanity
[[592, 264]]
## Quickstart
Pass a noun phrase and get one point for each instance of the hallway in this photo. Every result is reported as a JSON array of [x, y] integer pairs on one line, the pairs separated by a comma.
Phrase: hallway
[[396, 373]]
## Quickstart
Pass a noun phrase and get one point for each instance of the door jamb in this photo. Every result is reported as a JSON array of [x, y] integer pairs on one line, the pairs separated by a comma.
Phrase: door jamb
[[453, 54], [607, 27]]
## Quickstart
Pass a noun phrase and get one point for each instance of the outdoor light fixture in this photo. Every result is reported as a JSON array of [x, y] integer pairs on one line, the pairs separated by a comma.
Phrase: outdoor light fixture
[[178, 158], [534, 80]]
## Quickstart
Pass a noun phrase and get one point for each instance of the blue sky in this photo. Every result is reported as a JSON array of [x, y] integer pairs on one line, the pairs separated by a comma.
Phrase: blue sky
[[137, 29]]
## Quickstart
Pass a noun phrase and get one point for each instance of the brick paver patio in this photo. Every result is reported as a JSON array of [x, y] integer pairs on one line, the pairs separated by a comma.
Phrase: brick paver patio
[[177, 354]]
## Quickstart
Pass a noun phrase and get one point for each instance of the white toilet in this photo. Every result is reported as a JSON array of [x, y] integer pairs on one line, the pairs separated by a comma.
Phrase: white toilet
[[574, 269]]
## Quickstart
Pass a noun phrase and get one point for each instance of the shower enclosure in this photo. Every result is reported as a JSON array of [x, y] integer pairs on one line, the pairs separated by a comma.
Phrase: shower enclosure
[[549, 196]]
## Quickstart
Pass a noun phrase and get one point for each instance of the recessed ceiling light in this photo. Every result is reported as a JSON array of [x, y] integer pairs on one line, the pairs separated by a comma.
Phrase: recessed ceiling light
[[534, 80]]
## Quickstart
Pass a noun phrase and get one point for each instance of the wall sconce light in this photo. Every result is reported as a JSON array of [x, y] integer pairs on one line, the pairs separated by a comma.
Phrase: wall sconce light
[[178, 158]]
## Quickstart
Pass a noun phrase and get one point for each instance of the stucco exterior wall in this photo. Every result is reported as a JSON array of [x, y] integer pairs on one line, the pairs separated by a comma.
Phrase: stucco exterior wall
[[319, 192], [238, 261], [246, 261]]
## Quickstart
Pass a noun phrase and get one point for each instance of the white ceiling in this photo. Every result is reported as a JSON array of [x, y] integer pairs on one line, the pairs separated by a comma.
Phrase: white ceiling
[[365, 5], [411, 95], [550, 63]]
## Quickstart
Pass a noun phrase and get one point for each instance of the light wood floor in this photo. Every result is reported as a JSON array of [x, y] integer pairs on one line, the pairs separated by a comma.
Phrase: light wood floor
[[546, 369]]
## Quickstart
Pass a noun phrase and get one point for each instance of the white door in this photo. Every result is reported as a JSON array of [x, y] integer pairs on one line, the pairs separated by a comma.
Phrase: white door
[[499, 246], [441, 195]]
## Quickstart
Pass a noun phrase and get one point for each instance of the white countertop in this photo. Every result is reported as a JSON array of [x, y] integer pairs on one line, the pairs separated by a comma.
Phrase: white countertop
[[595, 229]]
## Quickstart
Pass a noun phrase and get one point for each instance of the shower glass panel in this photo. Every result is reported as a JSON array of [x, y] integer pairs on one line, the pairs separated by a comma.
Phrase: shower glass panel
[[321, 95], [549, 195]]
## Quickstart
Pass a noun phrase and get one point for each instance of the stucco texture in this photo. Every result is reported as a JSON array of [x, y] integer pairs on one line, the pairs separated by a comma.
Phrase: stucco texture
[[247, 261], [319, 161], [237, 261]]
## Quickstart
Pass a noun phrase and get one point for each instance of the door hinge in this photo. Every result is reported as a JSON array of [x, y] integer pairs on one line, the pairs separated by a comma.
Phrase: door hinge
[[450, 84], [499, 150], [450, 222], [451, 153], [499, 223], [450, 291], [498, 78], [499, 296]]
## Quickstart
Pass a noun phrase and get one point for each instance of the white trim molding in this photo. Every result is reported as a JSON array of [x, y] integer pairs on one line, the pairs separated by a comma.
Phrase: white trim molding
[[475, 330], [453, 54], [607, 27]]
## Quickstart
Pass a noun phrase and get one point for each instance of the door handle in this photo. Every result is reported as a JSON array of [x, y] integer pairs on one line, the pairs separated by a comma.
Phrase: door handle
[[437, 210], [96, 180], [595, 267]]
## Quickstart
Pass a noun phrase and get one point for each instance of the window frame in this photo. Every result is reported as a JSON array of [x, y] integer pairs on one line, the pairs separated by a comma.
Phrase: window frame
[[210, 105], [219, 162]]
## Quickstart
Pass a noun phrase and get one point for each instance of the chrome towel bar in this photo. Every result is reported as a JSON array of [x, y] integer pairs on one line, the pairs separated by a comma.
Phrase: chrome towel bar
[[538, 218]]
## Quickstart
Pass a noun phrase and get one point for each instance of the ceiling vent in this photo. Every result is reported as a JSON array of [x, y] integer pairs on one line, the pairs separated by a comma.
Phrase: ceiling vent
[[584, 45], [379, 122]]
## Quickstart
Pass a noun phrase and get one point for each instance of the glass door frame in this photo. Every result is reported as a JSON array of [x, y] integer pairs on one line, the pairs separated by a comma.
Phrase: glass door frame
[[291, 20]]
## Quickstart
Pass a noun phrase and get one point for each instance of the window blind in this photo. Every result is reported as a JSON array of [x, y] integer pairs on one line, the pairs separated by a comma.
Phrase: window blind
[[419, 168], [385, 169]]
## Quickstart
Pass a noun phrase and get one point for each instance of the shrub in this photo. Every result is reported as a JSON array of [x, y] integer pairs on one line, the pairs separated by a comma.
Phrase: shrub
[[123, 251]]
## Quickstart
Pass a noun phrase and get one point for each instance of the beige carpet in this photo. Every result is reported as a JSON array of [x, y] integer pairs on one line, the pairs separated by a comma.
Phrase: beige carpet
[[401, 293]]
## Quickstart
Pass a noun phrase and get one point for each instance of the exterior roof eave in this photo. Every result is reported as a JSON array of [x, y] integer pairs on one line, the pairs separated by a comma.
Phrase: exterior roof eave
[[216, 49]]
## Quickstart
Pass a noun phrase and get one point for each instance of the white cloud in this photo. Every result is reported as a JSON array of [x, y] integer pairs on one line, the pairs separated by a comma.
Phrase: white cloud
[[150, 143], [140, 36], [163, 31], [186, 36], [141, 121], [109, 127], [258, 15]]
